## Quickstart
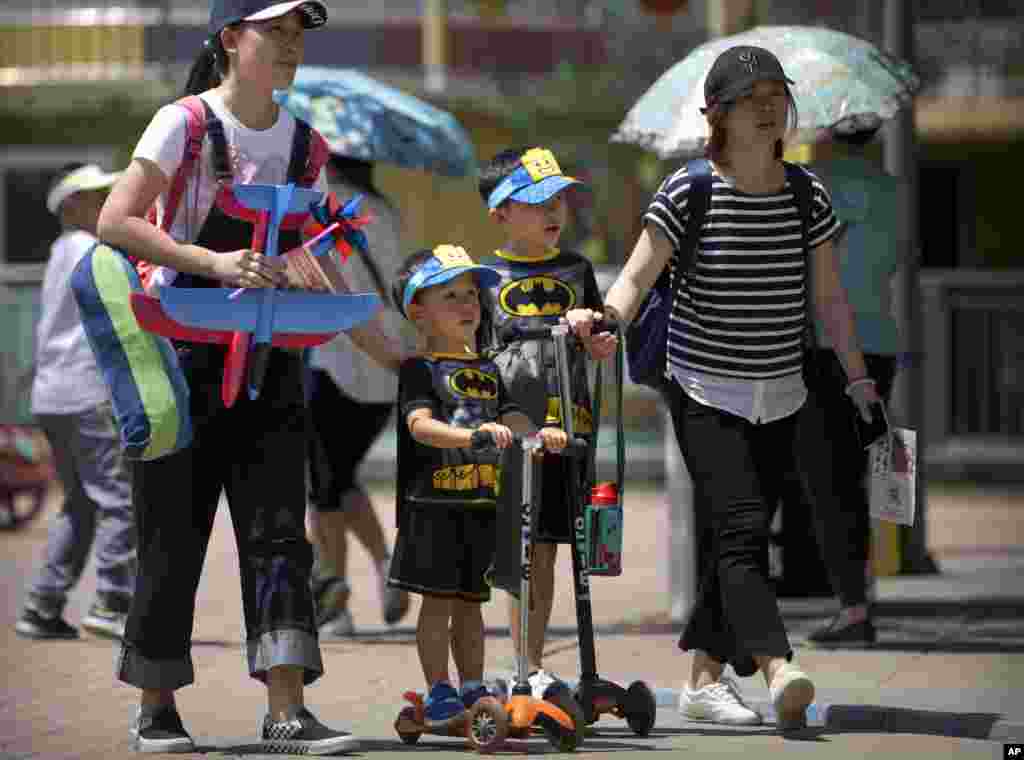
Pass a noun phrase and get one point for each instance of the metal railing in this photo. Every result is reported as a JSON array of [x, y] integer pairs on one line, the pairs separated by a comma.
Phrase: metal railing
[[973, 336]]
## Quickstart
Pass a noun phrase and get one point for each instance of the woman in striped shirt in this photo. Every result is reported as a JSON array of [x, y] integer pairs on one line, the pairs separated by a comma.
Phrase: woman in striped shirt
[[734, 357]]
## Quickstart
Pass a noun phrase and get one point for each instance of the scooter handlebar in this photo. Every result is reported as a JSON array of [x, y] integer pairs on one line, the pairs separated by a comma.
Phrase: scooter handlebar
[[483, 440], [512, 333]]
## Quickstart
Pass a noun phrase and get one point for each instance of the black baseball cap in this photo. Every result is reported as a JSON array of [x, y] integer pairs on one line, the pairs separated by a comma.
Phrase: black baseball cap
[[735, 72], [226, 12]]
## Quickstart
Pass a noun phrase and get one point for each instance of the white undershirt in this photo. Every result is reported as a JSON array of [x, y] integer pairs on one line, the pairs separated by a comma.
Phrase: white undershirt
[[256, 156]]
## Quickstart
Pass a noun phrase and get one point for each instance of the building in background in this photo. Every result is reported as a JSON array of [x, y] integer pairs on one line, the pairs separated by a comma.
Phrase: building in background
[[563, 73]]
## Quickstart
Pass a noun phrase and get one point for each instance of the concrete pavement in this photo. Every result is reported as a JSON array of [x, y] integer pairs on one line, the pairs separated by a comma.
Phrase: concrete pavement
[[947, 678]]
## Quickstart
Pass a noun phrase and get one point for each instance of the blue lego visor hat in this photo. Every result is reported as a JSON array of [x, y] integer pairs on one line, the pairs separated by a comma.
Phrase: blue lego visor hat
[[537, 178], [446, 263]]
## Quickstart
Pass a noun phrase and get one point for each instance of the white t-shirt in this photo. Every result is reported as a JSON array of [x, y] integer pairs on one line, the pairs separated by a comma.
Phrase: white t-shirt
[[355, 373], [67, 380], [257, 156]]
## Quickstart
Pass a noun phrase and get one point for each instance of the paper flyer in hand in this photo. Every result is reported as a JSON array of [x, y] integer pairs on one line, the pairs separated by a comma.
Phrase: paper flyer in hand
[[892, 477]]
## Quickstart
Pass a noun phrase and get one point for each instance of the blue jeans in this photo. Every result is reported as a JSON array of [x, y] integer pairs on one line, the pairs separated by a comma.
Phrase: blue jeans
[[97, 508]]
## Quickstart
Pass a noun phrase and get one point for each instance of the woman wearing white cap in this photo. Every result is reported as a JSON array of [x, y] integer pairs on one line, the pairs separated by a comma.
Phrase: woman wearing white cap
[[71, 403], [254, 450]]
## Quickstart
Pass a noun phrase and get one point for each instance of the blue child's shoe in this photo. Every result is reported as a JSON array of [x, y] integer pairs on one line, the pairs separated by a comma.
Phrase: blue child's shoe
[[474, 693], [442, 704]]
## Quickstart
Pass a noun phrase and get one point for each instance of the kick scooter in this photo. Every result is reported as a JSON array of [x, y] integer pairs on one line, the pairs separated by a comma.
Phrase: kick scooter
[[485, 725], [488, 723], [558, 714], [595, 695]]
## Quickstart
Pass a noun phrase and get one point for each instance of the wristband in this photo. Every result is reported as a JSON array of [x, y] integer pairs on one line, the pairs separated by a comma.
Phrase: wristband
[[859, 381]]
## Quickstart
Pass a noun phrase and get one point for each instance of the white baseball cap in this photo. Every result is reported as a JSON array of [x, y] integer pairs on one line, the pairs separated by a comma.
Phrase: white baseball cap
[[88, 177]]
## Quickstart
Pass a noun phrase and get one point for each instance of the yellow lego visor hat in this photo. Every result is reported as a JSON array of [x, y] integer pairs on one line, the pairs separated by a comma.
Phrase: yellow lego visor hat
[[447, 263], [535, 180]]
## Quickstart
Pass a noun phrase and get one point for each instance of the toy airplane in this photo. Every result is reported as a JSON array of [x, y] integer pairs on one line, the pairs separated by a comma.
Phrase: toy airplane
[[252, 321]]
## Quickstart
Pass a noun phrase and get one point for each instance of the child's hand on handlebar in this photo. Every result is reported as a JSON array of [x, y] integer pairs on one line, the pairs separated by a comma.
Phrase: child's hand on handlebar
[[501, 434], [598, 345], [554, 439]]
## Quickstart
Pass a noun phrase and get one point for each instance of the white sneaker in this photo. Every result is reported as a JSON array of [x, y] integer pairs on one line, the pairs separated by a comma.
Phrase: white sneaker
[[719, 702], [791, 692], [540, 682], [101, 621], [339, 626]]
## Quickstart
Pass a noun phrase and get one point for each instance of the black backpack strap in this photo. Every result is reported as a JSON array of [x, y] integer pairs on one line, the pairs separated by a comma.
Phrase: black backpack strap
[[219, 143], [800, 184], [300, 152], [698, 201]]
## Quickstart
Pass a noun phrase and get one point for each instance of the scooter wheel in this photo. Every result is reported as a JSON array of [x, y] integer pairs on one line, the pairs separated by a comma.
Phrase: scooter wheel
[[641, 708], [561, 739], [406, 716], [487, 726]]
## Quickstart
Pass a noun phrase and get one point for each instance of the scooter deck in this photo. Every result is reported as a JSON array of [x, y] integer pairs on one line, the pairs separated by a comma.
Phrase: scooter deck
[[408, 724], [412, 720]]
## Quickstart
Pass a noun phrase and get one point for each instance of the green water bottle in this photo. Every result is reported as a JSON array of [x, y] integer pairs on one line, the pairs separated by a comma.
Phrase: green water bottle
[[603, 520]]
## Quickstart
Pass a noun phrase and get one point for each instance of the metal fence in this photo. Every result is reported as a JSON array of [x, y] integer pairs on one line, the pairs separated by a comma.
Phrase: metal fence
[[973, 323]]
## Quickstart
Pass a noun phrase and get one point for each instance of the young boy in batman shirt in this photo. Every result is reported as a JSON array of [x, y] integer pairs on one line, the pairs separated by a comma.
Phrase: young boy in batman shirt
[[525, 193], [446, 489]]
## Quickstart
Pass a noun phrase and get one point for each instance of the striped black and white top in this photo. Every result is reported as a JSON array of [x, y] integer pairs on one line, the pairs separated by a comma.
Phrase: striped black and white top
[[736, 330]]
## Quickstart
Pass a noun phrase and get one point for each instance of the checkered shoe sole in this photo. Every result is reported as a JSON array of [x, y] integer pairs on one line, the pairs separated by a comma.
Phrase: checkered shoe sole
[[304, 735]]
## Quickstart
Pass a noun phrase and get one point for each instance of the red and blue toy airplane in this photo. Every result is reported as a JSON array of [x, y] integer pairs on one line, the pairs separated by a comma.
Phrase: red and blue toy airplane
[[252, 321]]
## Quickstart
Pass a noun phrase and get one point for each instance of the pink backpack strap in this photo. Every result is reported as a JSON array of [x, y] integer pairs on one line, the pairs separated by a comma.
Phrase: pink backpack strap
[[317, 156], [195, 122]]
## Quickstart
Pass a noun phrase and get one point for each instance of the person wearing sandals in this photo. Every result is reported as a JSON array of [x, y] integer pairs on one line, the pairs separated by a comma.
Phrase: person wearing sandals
[[734, 361], [873, 249], [347, 385]]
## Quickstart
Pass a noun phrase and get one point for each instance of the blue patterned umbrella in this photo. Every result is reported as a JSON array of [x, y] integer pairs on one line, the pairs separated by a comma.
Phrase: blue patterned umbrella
[[837, 76], [369, 120]]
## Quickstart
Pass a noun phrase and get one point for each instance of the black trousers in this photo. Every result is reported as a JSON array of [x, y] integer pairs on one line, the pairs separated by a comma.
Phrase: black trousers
[[256, 452], [734, 464], [832, 465]]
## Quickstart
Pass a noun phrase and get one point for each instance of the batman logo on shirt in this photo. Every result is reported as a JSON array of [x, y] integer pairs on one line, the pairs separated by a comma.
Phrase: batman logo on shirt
[[473, 383], [537, 297]]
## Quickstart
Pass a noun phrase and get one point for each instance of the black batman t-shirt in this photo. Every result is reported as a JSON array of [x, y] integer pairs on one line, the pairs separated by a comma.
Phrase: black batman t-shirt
[[535, 293], [463, 391]]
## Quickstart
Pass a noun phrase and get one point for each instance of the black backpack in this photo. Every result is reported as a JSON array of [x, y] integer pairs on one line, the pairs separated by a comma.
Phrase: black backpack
[[647, 335]]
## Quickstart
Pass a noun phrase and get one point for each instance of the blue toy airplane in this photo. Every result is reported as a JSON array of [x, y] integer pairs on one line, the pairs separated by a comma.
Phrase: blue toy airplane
[[252, 321]]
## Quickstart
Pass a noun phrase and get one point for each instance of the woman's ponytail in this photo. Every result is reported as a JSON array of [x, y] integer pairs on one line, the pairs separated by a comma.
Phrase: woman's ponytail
[[209, 68]]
